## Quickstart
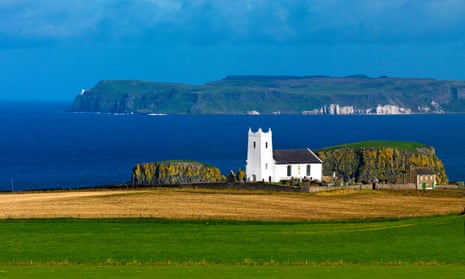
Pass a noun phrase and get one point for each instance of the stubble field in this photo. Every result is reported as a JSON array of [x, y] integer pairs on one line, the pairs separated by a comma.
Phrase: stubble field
[[231, 204]]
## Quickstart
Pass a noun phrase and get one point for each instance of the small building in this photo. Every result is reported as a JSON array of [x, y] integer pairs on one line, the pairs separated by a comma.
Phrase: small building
[[268, 165], [425, 178]]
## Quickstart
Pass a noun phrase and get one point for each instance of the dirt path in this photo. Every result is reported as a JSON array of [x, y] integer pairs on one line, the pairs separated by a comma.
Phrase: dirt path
[[242, 205]]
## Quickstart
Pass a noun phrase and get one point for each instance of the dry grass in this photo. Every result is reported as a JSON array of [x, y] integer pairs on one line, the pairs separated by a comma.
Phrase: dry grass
[[236, 205]]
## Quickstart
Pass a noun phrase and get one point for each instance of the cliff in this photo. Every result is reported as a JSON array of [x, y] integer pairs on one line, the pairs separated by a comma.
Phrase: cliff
[[393, 162], [175, 172], [276, 94]]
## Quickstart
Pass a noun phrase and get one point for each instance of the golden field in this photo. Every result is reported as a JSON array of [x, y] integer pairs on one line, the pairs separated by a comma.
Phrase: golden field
[[231, 204]]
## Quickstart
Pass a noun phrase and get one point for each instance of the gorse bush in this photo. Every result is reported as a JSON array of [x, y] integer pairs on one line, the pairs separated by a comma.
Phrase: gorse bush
[[175, 172]]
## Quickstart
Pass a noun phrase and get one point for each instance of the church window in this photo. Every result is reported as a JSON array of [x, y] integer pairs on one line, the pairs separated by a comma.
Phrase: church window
[[254, 144], [266, 166], [289, 170], [266, 144], [308, 170]]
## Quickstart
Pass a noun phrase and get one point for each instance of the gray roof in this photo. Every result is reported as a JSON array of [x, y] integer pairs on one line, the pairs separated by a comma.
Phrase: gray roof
[[424, 171], [295, 156]]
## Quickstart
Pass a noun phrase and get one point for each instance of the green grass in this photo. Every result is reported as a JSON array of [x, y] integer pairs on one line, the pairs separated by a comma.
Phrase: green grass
[[404, 145], [210, 248], [148, 241], [296, 272]]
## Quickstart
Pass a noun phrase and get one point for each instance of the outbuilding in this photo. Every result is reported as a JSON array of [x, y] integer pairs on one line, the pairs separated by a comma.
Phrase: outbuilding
[[425, 178]]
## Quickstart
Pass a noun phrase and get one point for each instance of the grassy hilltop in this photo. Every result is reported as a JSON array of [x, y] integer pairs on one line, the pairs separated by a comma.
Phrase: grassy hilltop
[[271, 94], [405, 145]]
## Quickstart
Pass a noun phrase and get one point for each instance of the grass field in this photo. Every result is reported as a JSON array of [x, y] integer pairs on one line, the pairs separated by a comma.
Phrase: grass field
[[146, 241], [410, 146], [125, 246], [383, 247], [295, 272]]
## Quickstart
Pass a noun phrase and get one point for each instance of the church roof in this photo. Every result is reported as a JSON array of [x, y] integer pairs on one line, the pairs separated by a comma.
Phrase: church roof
[[295, 156], [424, 171]]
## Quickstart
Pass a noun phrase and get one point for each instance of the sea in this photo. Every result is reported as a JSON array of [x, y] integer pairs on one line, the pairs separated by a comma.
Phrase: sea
[[42, 146]]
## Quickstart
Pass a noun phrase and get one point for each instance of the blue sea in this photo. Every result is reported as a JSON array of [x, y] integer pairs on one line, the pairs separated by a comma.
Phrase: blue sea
[[43, 146]]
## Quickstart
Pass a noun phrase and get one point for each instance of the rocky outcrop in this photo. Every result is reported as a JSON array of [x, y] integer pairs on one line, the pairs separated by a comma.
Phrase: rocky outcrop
[[175, 172], [391, 162]]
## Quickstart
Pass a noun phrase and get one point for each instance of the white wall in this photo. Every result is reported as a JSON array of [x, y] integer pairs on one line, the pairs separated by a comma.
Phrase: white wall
[[259, 155], [298, 171], [316, 171]]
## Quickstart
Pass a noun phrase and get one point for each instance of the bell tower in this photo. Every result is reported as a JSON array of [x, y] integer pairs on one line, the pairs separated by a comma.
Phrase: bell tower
[[260, 163]]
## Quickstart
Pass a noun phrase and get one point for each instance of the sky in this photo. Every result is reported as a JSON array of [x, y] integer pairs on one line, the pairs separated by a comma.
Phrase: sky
[[50, 50]]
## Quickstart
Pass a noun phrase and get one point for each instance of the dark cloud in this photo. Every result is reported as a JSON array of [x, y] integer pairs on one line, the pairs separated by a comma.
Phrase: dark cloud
[[225, 21]]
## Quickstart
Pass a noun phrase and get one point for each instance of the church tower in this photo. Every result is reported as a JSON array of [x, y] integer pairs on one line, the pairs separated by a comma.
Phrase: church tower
[[260, 163]]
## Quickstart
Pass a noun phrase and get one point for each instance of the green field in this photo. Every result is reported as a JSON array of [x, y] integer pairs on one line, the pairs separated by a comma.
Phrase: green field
[[295, 272], [404, 145], [434, 246]]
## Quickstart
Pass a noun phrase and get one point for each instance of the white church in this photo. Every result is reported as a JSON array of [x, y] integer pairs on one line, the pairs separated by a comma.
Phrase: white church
[[268, 165]]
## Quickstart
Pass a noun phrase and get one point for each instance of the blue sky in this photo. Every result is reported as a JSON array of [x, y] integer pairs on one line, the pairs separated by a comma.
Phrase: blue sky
[[50, 50]]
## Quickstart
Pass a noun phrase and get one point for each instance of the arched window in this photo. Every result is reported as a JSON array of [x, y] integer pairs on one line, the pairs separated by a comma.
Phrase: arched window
[[266, 144], [289, 170], [254, 144]]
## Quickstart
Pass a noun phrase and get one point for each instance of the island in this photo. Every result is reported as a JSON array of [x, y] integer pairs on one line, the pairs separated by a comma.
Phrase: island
[[308, 95], [394, 162], [175, 172]]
